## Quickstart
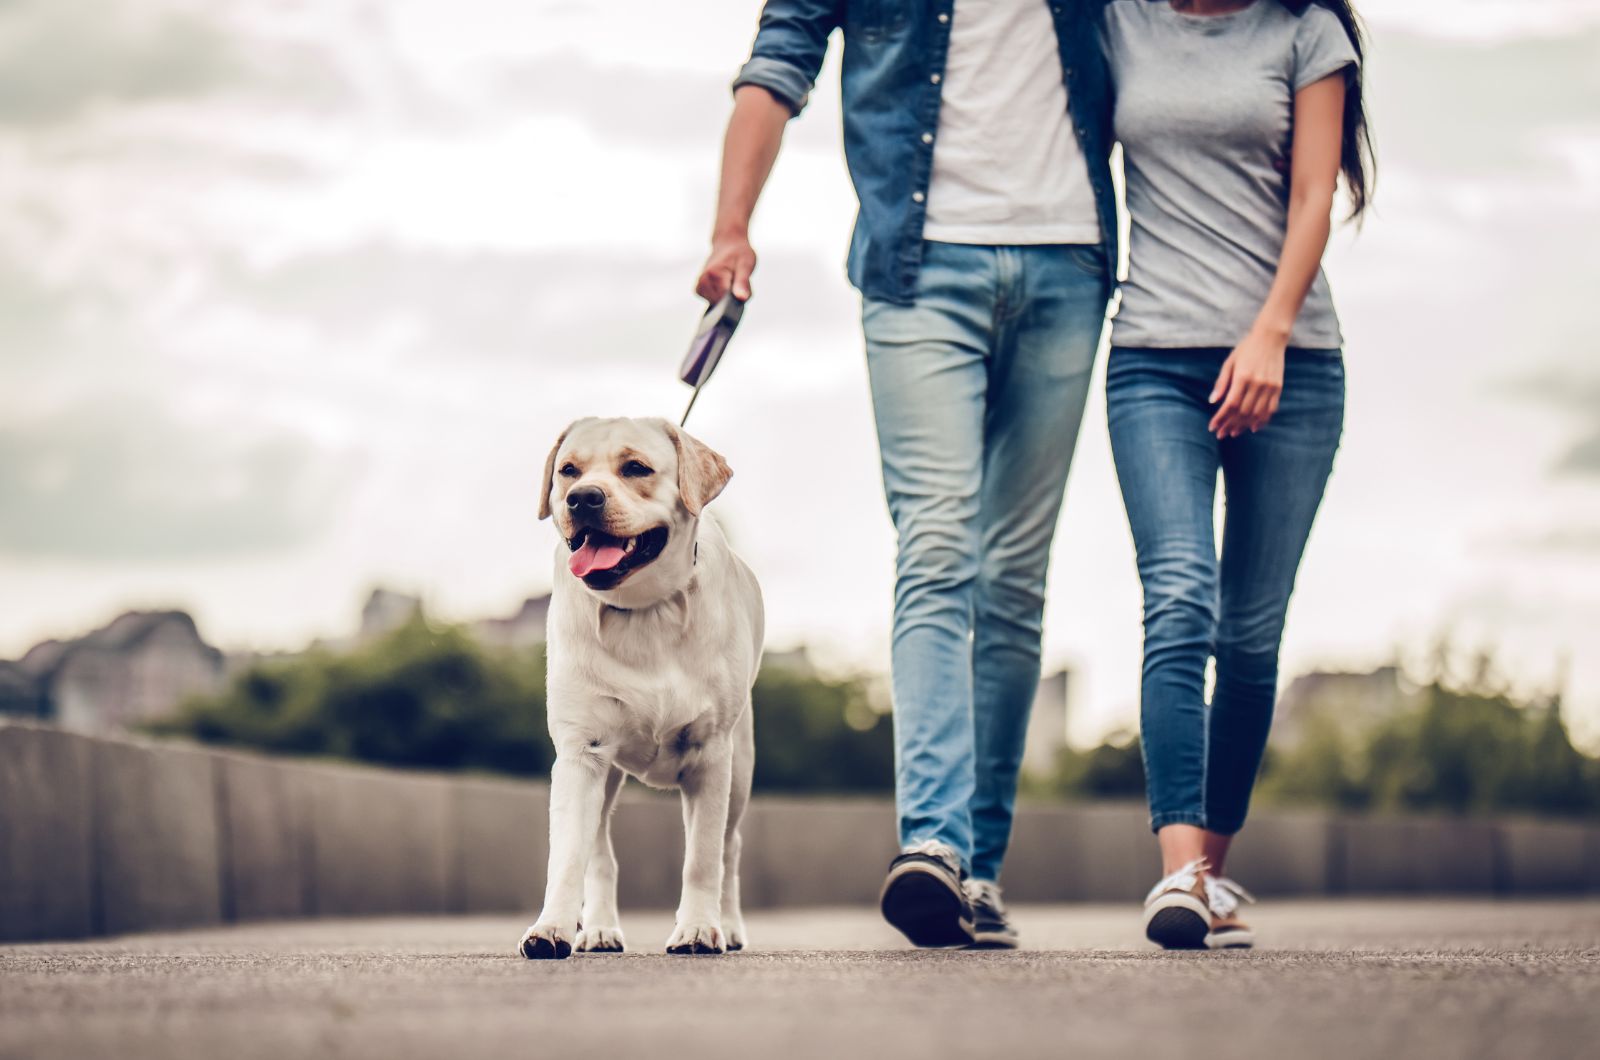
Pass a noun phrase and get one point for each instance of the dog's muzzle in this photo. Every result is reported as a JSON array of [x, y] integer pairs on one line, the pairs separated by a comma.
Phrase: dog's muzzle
[[602, 560]]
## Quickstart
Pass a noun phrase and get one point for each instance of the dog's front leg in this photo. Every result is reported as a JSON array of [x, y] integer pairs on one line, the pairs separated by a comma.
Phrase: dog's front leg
[[577, 789], [602, 928], [705, 817]]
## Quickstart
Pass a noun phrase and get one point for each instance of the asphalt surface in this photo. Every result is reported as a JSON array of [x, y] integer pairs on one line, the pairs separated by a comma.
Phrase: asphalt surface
[[1347, 980]]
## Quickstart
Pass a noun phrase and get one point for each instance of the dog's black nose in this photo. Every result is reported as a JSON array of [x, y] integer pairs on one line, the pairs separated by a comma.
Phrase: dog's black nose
[[587, 499]]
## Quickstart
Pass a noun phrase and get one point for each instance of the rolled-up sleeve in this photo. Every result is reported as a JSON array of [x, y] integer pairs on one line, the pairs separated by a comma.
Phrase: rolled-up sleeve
[[789, 47]]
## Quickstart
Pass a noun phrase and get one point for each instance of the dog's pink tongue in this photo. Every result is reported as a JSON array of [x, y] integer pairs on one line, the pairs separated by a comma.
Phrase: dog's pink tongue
[[592, 557]]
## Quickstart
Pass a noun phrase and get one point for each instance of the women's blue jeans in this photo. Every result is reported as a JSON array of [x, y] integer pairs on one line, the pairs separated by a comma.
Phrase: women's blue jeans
[[1201, 758]]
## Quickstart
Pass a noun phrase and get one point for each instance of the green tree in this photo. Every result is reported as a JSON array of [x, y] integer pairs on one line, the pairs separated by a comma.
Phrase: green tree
[[1113, 770], [432, 698], [421, 697], [814, 734], [1469, 749]]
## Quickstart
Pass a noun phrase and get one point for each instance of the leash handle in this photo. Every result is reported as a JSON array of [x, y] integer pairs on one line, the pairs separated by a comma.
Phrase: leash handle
[[710, 341]]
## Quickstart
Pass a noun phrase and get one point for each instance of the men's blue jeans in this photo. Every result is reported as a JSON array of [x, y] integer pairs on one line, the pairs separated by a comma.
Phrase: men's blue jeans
[[1201, 760], [978, 389]]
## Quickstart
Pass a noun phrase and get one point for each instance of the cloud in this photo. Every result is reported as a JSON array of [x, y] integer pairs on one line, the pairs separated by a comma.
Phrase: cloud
[[1583, 458], [123, 479], [60, 59], [1459, 108], [1577, 393], [665, 109], [556, 308], [1580, 539]]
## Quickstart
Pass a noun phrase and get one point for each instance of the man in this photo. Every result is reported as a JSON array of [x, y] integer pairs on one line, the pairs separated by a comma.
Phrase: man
[[977, 134]]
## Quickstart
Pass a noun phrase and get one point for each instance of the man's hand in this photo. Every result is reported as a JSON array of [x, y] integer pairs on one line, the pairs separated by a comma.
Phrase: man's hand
[[754, 133], [728, 268], [1249, 385]]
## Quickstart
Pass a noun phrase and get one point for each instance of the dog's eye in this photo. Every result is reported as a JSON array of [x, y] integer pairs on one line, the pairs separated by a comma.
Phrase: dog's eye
[[634, 469], [569, 471]]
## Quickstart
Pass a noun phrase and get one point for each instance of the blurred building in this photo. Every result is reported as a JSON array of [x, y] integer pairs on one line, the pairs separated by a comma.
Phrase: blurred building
[[136, 669], [796, 660], [386, 611], [524, 629], [145, 663], [1347, 702], [19, 692], [1047, 725]]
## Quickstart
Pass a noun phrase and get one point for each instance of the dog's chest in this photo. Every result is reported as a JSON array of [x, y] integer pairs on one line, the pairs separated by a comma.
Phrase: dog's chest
[[658, 724], [661, 758]]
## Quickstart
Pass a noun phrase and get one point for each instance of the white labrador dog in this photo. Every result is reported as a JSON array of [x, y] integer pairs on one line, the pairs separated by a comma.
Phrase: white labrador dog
[[655, 636]]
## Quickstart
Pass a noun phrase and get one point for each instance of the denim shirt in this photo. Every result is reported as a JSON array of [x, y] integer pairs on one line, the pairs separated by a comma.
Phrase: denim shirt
[[894, 60]]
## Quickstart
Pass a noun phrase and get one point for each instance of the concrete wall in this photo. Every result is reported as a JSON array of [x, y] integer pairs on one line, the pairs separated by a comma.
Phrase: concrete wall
[[101, 836]]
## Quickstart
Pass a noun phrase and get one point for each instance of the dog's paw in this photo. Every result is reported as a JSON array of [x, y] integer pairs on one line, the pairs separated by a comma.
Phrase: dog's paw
[[737, 937], [600, 940], [545, 942], [696, 938]]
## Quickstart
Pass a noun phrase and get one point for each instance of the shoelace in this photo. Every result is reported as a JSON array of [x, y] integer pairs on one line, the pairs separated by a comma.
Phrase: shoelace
[[985, 893], [1223, 896], [1182, 880], [935, 849]]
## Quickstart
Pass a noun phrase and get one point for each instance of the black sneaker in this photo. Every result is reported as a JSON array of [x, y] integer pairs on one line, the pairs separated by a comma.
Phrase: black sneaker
[[990, 928], [922, 897]]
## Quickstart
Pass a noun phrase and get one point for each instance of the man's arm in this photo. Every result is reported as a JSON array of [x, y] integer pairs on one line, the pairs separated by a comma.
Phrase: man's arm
[[771, 88], [751, 146]]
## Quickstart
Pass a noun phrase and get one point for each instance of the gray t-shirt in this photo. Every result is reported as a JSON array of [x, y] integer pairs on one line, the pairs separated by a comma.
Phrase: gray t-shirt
[[1204, 111]]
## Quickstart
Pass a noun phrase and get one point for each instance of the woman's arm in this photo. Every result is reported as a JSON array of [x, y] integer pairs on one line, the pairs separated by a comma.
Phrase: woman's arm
[[1252, 377]]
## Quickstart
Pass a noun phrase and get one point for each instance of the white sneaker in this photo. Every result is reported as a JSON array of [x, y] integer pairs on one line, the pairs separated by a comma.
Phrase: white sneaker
[[1176, 914], [1228, 932]]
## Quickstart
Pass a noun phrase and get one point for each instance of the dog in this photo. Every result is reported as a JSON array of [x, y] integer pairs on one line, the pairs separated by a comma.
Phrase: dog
[[655, 636]]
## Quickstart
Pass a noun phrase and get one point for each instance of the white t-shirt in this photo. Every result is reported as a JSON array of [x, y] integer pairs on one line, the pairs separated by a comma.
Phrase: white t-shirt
[[1007, 168]]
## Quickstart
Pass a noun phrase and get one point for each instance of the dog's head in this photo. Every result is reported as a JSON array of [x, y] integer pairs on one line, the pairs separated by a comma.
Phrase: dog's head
[[626, 495]]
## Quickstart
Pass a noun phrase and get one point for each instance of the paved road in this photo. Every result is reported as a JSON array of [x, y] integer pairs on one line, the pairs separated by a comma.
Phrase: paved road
[[1346, 980]]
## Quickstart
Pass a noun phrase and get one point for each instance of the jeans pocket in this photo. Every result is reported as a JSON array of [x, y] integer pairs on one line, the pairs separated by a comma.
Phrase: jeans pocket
[[1089, 259]]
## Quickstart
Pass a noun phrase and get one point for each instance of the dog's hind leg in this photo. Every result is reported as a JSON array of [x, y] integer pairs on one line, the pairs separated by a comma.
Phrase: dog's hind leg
[[744, 762], [602, 925]]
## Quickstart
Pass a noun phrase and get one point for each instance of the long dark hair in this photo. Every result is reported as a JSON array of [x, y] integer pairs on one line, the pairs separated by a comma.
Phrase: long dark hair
[[1356, 158]]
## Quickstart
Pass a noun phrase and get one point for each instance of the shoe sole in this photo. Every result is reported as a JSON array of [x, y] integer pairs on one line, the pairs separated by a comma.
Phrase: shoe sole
[[992, 940], [1176, 922], [925, 909], [1231, 940]]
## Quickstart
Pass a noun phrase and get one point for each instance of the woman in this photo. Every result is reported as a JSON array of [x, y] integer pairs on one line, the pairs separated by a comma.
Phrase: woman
[[1236, 118]]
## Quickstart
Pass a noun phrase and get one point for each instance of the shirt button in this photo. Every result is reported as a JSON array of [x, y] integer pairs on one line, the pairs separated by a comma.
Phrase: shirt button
[[935, 79], [946, 18], [927, 138], [917, 196]]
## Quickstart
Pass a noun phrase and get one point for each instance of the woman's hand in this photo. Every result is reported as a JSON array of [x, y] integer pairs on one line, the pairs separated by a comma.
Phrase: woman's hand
[[1249, 385]]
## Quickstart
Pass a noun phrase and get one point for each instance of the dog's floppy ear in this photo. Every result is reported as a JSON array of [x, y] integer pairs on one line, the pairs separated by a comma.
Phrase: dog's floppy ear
[[549, 480], [701, 470]]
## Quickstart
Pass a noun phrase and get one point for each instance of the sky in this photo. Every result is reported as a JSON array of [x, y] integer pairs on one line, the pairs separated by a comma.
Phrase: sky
[[295, 296]]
